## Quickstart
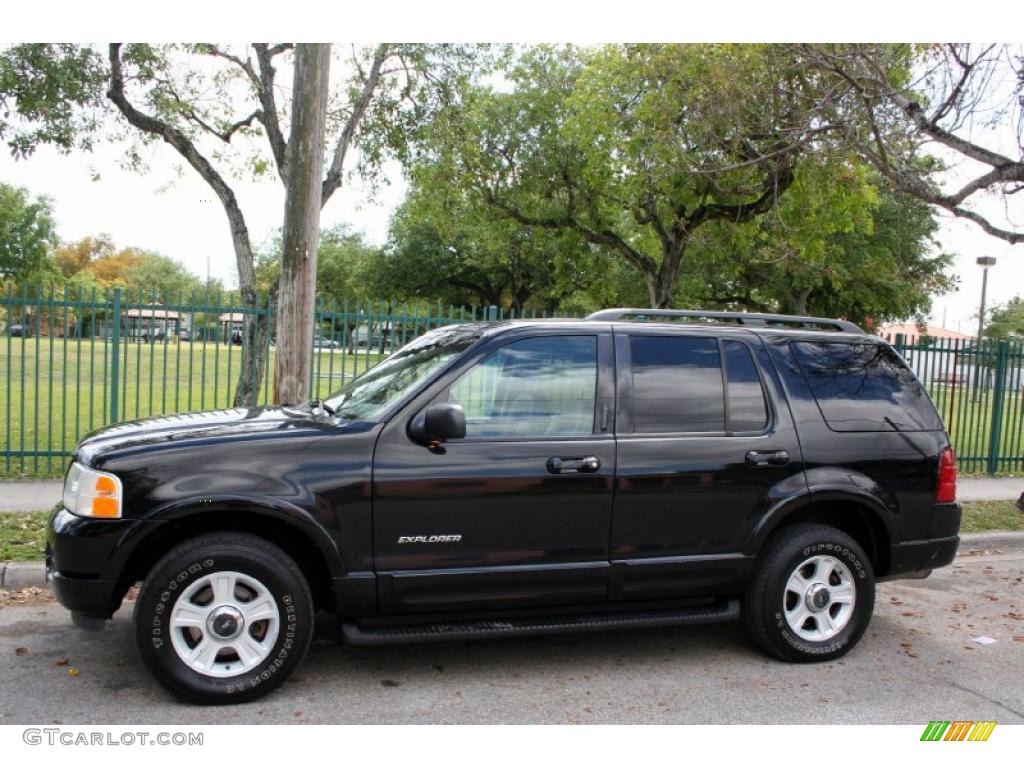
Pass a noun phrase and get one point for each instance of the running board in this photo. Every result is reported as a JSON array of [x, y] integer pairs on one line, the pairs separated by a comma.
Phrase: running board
[[391, 634]]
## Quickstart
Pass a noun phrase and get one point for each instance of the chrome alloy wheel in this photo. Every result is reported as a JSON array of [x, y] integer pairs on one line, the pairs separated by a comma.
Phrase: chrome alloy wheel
[[819, 598], [224, 624]]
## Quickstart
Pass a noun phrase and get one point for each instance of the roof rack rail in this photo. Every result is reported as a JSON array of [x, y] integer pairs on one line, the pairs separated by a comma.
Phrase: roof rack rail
[[751, 319]]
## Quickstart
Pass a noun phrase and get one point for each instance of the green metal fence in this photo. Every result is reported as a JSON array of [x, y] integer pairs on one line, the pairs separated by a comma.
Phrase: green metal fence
[[978, 388], [71, 363]]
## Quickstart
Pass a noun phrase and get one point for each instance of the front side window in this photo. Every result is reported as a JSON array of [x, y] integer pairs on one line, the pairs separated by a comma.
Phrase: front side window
[[533, 388]]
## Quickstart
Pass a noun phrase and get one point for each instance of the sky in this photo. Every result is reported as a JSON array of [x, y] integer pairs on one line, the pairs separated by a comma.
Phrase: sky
[[171, 210]]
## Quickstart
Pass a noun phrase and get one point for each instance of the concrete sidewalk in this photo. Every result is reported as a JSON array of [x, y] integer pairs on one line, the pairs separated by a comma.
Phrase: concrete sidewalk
[[31, 495]]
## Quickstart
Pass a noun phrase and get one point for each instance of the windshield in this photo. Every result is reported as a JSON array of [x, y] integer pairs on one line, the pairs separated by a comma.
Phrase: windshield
[[369, 395]]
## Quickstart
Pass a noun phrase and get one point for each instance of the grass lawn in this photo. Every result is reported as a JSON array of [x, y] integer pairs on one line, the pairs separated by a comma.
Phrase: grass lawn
[[982, 516], [23, 534], [53, 392]]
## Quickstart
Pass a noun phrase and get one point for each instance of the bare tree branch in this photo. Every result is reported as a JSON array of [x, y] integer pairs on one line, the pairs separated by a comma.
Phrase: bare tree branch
[[154, 126], [269, 117], [333, 179], [884, 103]]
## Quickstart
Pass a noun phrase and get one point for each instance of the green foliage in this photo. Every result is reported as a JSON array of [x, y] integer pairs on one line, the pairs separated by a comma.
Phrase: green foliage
[[97, 263], [347, 267], [447, 245], [27, 235], [842, 243], [635, 148], [1007, 321], [50, 93], [162, 279]]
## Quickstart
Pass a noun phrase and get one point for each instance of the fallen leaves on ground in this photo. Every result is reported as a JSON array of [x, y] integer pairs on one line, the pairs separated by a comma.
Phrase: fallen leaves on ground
[[21, 650], [908, 648], [26, 596], [61, 662]]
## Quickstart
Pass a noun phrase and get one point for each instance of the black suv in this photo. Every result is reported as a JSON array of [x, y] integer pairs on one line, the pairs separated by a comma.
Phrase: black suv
[[638, 468]]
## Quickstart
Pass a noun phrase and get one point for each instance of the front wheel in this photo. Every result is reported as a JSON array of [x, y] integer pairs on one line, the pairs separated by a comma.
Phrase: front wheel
[[224, 618], [812, 595]]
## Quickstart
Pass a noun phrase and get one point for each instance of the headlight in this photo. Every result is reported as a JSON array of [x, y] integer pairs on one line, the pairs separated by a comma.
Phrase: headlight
[[91, 493]]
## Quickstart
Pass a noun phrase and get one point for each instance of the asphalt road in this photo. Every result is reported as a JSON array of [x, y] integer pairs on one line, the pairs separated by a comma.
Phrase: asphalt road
[[917, 663]]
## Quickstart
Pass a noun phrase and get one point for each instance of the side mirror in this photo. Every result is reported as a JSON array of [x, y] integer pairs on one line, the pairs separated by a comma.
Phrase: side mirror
[[437, 423]]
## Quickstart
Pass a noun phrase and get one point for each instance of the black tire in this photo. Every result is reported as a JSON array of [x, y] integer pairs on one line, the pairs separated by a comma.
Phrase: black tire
[[258, 562], [766, 600]]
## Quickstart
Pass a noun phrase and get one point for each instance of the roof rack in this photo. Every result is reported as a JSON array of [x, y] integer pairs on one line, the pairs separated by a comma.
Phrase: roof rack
[[750, 319]]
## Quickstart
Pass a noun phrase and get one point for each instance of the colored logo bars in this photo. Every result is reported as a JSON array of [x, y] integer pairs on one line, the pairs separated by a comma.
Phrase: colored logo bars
[[958, 730]]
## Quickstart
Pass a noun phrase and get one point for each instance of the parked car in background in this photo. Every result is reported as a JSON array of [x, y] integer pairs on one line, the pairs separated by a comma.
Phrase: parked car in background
[[640, 468], [185, 334], [19, 330], [322, 342]]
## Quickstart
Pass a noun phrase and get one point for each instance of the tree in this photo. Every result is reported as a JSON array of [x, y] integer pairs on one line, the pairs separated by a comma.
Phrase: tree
[[842, 243], [345, 266], [212, 103], [301, 223], [446, 244], [72, 258], [162, 279], [901, 101], [636, 148], [98, 262], [1007, 321], [27, 234]]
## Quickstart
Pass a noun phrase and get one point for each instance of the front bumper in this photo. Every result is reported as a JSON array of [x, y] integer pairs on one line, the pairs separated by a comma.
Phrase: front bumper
[[86, 558]]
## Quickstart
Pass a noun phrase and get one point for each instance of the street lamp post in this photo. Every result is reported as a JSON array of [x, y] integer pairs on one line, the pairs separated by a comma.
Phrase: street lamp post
[[984, 262]]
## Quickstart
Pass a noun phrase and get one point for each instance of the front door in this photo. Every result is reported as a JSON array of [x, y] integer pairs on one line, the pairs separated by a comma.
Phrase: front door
[[517, 513]]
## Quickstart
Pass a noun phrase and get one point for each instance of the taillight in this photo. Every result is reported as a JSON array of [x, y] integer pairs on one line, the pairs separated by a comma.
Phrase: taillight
[[946, 490]]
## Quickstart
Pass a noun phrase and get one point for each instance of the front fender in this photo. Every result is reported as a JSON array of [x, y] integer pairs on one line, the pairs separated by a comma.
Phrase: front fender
[[234, 505]]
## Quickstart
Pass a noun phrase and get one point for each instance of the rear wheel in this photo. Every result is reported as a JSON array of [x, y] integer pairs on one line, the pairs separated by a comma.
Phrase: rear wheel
[[224, 618], [812, 595]]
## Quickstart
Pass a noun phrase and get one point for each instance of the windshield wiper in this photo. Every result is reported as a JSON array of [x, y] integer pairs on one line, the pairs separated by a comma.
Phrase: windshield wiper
[[314, 404]]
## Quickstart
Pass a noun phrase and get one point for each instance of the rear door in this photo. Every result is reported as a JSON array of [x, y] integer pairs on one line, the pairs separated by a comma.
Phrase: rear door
[[705, 439]]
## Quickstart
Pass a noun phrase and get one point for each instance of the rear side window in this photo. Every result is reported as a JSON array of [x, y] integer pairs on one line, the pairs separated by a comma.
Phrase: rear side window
[[677, 384], [747, 409], [865, 388]]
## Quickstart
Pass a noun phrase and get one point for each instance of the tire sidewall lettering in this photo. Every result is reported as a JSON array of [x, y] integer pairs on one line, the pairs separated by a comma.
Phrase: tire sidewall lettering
[[159, 627]]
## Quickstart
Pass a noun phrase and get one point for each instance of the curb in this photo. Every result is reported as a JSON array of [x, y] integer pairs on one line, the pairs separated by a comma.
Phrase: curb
[[990, 540], [20, 575]]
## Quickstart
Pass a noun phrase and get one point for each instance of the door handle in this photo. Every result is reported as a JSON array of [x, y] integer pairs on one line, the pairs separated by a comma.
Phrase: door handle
[[774, 458], [567, 465]]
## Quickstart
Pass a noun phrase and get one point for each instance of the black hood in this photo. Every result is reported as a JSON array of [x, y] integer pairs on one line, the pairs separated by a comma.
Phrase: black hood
[[206, 427]]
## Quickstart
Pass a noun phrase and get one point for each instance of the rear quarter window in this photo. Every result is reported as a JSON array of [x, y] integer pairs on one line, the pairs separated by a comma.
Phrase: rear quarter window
[[865, 388]]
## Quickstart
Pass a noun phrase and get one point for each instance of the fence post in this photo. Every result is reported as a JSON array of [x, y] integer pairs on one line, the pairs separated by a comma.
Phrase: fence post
[[115, 358], [998, 392]]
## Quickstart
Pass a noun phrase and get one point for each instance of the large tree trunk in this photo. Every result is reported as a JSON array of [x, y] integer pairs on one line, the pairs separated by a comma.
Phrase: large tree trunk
[[254, 334], [301, 237]]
